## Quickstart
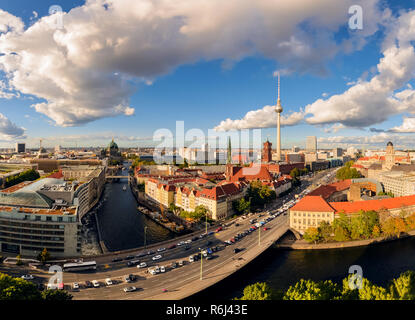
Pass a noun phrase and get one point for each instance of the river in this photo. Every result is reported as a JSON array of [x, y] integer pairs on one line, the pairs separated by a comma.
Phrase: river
[[282, 268], [121, 224]]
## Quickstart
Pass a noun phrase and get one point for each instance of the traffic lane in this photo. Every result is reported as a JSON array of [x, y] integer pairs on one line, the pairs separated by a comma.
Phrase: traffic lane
[[178, 277], [155, 284]]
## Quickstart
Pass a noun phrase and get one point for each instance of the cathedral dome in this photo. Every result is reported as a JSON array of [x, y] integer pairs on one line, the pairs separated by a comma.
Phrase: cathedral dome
[[389, 144]]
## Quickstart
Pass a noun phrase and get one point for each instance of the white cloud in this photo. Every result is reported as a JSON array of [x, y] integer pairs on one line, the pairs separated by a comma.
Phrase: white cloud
[[72, 69], [262, 118], [408, 126], [9, 130], [378, 140], [371, 102]]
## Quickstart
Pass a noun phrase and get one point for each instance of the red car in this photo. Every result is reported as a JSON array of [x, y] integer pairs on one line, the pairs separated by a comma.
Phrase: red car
[[232, 240], [265, 229], [218, 229]]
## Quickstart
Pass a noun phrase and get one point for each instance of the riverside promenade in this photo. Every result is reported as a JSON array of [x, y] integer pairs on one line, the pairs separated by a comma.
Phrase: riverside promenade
[[304, 245]]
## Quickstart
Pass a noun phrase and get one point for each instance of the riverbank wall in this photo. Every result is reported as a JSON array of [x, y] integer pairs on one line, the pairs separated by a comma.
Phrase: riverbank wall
[[304, 245]]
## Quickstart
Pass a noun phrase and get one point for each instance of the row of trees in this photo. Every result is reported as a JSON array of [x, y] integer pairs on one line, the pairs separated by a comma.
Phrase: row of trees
[[401, 288], [365, 225], [28, 175], [199, 214], [18, 289], [347, 172]]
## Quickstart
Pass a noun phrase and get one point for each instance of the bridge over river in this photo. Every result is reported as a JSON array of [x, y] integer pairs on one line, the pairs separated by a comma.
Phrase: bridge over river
[[187, 280]]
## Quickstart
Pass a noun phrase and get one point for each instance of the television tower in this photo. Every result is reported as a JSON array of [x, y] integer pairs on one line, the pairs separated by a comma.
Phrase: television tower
[[278, 110]]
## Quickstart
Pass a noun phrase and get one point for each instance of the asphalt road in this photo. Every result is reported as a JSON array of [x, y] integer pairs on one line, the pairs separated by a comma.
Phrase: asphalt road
[[151, 285]]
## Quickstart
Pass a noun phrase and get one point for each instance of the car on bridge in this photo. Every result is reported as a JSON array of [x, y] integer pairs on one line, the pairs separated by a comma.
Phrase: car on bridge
[[130, 289], [142, 265], [141, 254], [157, 257], [174, 265], [171, 246], [129, 257], [181, 243], [161, 249], [116, 260], [132, 263]]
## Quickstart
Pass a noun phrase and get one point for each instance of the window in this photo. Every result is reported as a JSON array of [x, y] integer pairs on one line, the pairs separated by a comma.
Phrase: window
[[48, 218], [37, 218]]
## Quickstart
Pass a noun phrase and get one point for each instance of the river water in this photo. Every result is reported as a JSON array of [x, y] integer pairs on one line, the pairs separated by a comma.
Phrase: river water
[[122, 227], [121, 224], [282, 268]]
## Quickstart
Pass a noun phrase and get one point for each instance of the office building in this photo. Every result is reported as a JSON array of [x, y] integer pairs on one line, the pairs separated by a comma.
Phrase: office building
[[311, 144]]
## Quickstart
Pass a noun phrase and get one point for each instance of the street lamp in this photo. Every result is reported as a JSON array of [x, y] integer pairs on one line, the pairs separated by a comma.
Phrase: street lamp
[[259, 236], [145, 236], [201, 265]]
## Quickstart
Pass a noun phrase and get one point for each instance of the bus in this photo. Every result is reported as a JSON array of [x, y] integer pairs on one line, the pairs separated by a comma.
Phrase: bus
[[80, 266]]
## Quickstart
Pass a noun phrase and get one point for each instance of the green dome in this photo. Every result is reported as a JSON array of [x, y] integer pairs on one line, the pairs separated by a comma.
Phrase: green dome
[[113, 145]]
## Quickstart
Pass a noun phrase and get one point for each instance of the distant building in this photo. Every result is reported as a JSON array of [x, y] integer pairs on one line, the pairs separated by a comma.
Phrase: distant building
[[20, 147], [311, 144], [295, 149], [337, 152], [266, 152]]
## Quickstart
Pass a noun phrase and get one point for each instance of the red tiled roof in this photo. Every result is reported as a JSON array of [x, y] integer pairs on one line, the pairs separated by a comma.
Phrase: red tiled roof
[[313, 204], [376, 205], [254, 172], [220, 191], [327, 190]]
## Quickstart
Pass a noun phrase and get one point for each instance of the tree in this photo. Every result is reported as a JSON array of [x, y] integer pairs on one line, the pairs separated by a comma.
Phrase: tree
[[403, 288], [43, 256], [175, 209], [310, 290], [258, 291], [241, 206], [325, 230], [347, 172], [410, 221], [19, 260], [260, 194], [56, 295], [17, 289], [312, 235]]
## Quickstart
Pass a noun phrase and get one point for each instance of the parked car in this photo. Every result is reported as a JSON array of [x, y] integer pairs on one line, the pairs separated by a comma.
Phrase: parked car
[[181, 263], [130, 289], [108, 281], [127, 279], [171, 246], [88, 284], [75, 286], [27, 277], [116, 259], [236, 250], [218, 229], [162, 269], [191, 259], [95, 283], [174, 265], [265, 229], [141, 254], [129, 257]]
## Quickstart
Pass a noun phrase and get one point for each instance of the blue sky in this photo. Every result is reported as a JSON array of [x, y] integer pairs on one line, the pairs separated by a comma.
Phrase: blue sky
[[203, 92]]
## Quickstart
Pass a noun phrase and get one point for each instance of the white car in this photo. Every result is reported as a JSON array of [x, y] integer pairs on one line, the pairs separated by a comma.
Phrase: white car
[[152, 271], [188, 241], [142, 265], [157, 257], [181, 243], [130, 289], [95, 283], [75, 285], [162, 269], [191, 259], [28, 277], [161, 249], [108, 281]]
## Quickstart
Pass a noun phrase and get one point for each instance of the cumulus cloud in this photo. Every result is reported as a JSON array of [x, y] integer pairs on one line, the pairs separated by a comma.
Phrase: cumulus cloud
[[408, 126], [378, 140], [372, 102], [369, 102], [71, 69], [262, 118], [9, 130]]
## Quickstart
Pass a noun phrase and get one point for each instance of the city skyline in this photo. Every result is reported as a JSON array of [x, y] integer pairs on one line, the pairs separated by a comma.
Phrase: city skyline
[[233, 87]]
